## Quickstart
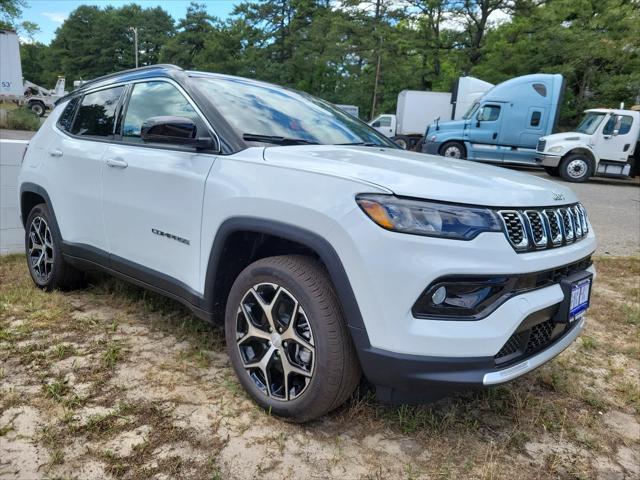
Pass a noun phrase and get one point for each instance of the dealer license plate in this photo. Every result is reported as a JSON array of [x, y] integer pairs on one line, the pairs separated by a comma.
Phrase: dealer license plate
[[580, 293]]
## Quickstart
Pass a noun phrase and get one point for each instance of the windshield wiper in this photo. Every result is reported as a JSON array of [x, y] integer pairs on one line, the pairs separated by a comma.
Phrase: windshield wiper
[[363, 144], [254, 137]]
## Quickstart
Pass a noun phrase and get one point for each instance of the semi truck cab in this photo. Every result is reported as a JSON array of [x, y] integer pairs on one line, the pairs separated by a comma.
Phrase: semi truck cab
[[604, 144], [504, 125]]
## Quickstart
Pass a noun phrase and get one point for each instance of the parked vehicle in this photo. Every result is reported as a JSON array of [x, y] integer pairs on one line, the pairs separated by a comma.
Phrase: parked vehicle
[[327, 251], [603, 145], [12, 88], [416, 110], [504, 125]]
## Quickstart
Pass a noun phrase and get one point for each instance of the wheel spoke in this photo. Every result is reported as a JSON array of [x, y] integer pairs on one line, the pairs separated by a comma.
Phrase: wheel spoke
[[262, 365], [266, 307], [252, 330]]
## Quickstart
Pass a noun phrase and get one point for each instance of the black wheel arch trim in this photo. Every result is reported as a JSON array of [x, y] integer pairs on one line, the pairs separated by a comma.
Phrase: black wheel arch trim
[[286, 231]]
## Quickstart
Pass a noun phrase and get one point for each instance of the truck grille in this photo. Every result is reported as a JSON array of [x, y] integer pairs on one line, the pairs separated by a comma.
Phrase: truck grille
[[535, 229], [542, 144]]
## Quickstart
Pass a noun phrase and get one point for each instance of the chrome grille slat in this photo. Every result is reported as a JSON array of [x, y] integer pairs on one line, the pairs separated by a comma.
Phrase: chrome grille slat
[[541, 228]]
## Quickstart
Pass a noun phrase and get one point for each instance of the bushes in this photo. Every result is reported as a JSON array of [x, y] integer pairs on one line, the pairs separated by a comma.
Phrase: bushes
[[20, 119]]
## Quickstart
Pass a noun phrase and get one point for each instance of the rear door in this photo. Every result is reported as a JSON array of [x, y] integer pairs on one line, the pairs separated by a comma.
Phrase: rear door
[[484, 131], [74, 166], [152, 193]]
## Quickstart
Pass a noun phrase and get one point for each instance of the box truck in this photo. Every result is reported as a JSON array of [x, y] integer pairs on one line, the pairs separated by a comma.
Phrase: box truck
[[417, 109], [503, 125]]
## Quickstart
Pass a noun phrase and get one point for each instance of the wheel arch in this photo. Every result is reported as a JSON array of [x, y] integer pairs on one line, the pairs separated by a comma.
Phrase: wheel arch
[[266, 238], [585, 151], [31, 195]]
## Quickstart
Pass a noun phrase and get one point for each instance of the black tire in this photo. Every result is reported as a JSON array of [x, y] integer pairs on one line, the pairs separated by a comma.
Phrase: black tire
[[59, 275], [335, 372], [552, 171], [576, 168], [402, 141], [447, 149], [38, 108]]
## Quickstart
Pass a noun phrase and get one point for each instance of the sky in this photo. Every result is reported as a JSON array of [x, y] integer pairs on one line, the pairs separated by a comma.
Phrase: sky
[[49, 15]]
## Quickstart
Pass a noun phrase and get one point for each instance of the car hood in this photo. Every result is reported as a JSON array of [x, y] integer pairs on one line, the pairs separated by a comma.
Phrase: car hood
[[424, 176], [446, 126], [566, 137]]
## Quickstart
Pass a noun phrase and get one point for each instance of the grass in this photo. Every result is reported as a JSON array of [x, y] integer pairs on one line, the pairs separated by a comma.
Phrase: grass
[[99, 363]]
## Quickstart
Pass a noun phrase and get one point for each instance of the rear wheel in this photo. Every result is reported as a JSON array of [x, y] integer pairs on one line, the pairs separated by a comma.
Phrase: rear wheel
[[38, 108], [576, 168], [552, 171], [453, 150], [48, 269], [287, 340]]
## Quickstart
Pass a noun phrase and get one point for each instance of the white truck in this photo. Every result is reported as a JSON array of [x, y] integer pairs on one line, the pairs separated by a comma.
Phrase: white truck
[[417, 109], [12, 88], [605, 144]]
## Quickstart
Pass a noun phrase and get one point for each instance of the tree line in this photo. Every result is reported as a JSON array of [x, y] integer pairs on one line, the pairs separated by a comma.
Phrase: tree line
[[363, 52]]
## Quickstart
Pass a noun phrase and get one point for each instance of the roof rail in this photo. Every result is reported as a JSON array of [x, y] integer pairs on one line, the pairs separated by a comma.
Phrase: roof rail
[[131, 70]]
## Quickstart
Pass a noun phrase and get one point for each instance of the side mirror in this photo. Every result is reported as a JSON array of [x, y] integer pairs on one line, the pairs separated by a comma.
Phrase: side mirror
[[478, 123], [174, 131], [616, 132]]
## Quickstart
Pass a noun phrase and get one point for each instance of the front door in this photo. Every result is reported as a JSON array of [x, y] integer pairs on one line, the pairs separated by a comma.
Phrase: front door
[[617, 138], [385, 124], [483, 133], [152, 193]]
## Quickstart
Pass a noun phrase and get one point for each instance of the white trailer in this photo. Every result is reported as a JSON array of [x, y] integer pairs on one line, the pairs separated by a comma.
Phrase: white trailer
[[417, 109]]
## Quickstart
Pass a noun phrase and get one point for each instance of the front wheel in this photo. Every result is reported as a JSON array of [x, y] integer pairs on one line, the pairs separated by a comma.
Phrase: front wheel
[[576, 168], [287, 339], [38, 108], [402, 141], [453, 150]]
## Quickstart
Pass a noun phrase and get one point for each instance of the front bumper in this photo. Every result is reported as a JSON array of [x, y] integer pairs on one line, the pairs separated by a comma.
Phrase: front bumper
[[431, 148], [548, 160]]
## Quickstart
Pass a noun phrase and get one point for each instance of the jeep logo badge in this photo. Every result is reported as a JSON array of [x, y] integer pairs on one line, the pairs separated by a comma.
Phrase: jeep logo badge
[[558, 197]]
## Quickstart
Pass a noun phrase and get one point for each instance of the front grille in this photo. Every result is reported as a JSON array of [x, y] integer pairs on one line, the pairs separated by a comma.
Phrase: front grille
[[533, 229], [542, 144]]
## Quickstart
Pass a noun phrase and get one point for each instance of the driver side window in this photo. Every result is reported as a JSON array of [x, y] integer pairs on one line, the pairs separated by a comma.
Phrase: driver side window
[[621, 123], [154, 99], [489, 113]]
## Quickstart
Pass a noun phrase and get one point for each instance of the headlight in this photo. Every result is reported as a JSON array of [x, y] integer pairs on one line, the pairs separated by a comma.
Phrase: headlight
[[428, 218], [556, 149]]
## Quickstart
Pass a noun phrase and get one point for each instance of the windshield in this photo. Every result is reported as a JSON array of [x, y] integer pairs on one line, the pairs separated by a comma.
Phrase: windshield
[[266, 113], [471, 111], [590, 122]]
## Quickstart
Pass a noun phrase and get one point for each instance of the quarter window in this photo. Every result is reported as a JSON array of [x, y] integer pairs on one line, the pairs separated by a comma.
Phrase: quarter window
[[97, 112], [489, 113], [541, 88], [154, 99], [66, 117]]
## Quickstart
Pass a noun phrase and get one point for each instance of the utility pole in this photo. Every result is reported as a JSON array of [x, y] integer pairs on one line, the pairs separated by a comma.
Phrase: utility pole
[[135, 42], [379, 55]]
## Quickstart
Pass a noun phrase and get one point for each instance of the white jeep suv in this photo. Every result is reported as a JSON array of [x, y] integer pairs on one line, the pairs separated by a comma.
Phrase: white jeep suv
[[329, 252]]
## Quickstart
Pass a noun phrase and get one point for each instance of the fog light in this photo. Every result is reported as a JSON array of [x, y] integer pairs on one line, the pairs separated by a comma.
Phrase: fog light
[[439, 296]]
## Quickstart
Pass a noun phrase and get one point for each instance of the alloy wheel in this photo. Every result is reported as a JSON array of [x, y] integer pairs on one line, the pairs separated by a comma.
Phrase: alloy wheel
[[40, 249], [275, 341]]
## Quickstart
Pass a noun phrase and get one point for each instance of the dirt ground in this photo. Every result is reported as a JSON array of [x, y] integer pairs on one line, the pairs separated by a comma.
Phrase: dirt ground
[[115, 382]]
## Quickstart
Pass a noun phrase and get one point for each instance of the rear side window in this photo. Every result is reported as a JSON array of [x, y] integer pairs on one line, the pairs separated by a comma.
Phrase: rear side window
[[155, 99], [535, 119], [64, 122], [97, 112]]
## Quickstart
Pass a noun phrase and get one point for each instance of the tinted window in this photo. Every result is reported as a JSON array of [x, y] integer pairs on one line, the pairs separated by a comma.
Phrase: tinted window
[[535, 119], [64, 122], [154, 99], [255, 108], [97, 113], [489, 113], [541, 88], [622, 123]]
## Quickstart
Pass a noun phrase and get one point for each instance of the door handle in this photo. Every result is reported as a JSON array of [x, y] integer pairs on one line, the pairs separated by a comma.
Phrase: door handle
[[117, 163], [495, 135], [55, 153]]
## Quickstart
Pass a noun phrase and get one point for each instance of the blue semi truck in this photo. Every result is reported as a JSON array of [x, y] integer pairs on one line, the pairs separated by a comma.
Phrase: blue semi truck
[[504, 125]]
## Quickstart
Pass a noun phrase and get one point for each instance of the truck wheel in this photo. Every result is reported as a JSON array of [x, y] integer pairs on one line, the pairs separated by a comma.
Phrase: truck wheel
[[402, 141], [287, 338], [453, 150], [42, 241], [552, 171], [576, 168], [38, 108]]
